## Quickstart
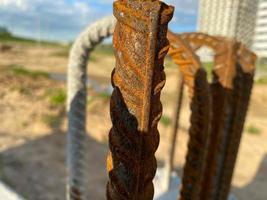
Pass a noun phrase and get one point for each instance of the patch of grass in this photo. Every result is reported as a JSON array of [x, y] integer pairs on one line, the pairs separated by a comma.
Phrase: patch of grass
[[20, 71], [165, 120], [208, 66], [92, 58], [262, 64], [105, 49], [51, 120], [57, 97], [24, 124], [104, 95], [262, 80], [21, 89], [90, 100], [62, 53], [253, 130], [9, 38], [168, 62]]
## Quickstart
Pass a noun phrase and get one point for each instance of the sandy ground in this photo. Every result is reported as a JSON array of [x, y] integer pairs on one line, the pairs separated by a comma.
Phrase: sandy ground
[[32, 129]]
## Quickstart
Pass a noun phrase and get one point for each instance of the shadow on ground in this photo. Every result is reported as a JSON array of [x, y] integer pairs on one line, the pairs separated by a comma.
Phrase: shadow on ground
[[257, 188], [36, 170]]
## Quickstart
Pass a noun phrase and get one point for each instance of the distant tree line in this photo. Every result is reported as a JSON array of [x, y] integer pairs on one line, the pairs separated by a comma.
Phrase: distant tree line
[[4, 31]]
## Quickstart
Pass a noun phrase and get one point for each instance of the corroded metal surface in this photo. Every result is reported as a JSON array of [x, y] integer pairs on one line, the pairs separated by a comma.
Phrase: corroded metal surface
[[140, 45], [221, 87], [223, 73], [225, 51], [243, 82], [195, 79], [231, 86]]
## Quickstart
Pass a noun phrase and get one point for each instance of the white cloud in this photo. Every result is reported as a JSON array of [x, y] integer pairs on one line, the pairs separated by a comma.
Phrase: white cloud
[[49, 19], [63, 20], [21, 4]]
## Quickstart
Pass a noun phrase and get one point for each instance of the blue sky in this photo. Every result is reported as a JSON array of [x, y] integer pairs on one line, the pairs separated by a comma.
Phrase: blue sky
[[62, 20]]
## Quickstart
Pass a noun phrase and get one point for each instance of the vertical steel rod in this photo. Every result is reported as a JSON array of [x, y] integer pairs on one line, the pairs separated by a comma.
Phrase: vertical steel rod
[[199, 132], [140, 45], [173, 137]]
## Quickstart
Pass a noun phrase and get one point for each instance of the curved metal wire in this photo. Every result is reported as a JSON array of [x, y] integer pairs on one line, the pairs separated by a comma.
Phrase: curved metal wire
[[76, 105]]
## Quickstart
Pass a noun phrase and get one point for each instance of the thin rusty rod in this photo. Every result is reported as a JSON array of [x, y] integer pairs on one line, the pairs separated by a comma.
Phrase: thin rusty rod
[[173, 136]]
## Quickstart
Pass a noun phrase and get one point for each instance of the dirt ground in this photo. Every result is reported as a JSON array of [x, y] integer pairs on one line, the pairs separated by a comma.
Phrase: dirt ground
[[33, 127]]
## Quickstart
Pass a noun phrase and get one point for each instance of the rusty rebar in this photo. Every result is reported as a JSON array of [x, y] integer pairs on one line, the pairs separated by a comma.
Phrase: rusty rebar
[[243, 82], [140, 45], [230, 102], [223, 73], [195, 79]]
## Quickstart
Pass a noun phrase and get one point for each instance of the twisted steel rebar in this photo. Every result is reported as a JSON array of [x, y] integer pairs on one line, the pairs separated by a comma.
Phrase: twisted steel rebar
[[136, 109], [195, 79], [231, 87], [140, 45], [222, 83], [243, 82], [76, 105]]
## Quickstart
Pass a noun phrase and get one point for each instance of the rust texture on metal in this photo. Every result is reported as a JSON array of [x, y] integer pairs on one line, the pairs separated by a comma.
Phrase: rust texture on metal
[[221, 86], [223, 70], [195, 79], [140, 45], [234, 66], [243, 82]]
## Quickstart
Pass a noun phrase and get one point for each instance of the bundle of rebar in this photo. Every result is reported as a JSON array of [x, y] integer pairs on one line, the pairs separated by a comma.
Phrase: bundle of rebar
[[218, 109]]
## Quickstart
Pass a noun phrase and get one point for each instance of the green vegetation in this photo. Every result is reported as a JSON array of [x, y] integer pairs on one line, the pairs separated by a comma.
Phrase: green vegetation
[[57, 97], [51, 120], [22, 90], [208, 66], [262, 80], [165, 120], [64, 52], [253, 130], [7, 37], [262, 64], [262, 69], [90, 99], [4, 30], [104, 49], [168, 62], [104, 95], [19, 70]]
